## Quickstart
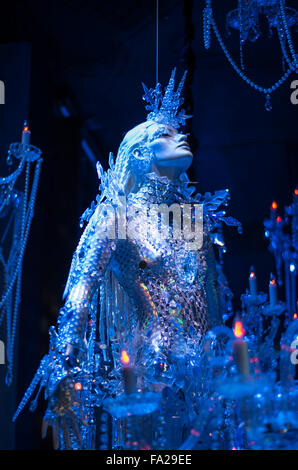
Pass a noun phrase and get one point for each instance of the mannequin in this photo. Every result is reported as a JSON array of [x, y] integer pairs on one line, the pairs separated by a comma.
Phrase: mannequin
[[141, 293]]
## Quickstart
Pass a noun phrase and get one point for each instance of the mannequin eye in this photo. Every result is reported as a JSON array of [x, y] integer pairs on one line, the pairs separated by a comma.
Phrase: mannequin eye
[[165, 134]]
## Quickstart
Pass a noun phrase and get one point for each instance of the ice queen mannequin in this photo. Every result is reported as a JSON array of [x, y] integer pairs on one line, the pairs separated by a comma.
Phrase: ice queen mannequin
[[143, 294]]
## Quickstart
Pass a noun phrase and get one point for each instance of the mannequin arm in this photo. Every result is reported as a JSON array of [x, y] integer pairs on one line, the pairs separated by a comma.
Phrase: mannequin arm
[[88, 268]]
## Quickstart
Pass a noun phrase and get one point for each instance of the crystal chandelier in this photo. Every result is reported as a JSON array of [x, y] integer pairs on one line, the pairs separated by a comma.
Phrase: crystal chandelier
[[246, 19], [16, 211]]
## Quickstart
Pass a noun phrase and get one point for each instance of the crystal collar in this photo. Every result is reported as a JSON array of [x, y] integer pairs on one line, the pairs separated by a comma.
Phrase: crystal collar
[[160, 189]]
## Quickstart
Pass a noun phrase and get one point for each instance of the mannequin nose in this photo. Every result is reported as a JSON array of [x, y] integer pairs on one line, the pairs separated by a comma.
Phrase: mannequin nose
[[181, 137]]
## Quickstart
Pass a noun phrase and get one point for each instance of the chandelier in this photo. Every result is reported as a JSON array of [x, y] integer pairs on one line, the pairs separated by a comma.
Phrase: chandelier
[[16, 213], [246, 19]]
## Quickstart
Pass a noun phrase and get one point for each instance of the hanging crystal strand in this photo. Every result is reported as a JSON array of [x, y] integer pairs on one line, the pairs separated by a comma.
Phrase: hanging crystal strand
[[241, 54], [119, 314], [9, 376], [8, 308], [102, 319], [90, 430], [102, 336], [114, 309], [288, 34], [27, 215], [23, 246], [126, 309], [282, 41], [108, 307], [113, 318], [109, 316], [121, 326], [206, 24], [241, 39], [7, 311], [268, 105]]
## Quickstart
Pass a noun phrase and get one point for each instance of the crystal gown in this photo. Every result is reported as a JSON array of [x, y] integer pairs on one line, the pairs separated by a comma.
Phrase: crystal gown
[[145, 294]]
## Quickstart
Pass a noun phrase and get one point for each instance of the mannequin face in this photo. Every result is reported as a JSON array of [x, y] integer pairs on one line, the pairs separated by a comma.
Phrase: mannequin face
[[172, 152]]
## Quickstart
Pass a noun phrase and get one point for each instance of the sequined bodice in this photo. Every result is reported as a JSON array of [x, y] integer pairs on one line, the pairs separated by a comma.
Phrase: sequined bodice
[[164, 281]]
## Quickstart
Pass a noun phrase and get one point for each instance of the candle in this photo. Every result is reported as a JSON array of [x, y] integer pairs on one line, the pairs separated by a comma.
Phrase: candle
[[240, 349], [272, 290], [253, 283], [293, 287], [129, 378], [26, 134], [273, 210]]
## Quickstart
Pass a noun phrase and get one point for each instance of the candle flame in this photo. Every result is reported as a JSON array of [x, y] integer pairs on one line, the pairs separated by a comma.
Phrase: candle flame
[[295, 316], [272, 280], [274, 205], [252, 275], [125, 359], [26, 127], [296, 192], [238, 329], [78, 386], [278, 219]]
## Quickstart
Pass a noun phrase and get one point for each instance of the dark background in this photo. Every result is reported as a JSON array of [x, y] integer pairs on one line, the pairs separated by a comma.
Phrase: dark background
[[91, 57]]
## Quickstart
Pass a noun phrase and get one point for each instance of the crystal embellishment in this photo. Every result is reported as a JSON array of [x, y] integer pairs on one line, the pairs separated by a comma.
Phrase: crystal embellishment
[[164, 108]]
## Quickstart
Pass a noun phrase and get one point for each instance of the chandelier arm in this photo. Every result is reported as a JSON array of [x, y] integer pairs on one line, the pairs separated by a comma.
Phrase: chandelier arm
[[13, 176]]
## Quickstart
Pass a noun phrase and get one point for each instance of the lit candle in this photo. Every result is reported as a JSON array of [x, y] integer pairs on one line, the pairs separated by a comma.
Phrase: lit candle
[[253, 282], [240, 349], [272, 290], [273, 210], [26, 134], [129, 378]]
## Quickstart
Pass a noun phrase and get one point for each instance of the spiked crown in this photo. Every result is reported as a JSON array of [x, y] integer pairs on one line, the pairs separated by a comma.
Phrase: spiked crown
[[164, 108]]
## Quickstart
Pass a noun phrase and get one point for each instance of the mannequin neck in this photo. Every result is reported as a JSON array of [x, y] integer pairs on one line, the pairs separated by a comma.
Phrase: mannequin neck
[[170, 170]]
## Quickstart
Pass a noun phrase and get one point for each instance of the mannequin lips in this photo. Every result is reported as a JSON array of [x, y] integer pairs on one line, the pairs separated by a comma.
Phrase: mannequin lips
[[185, 145]]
